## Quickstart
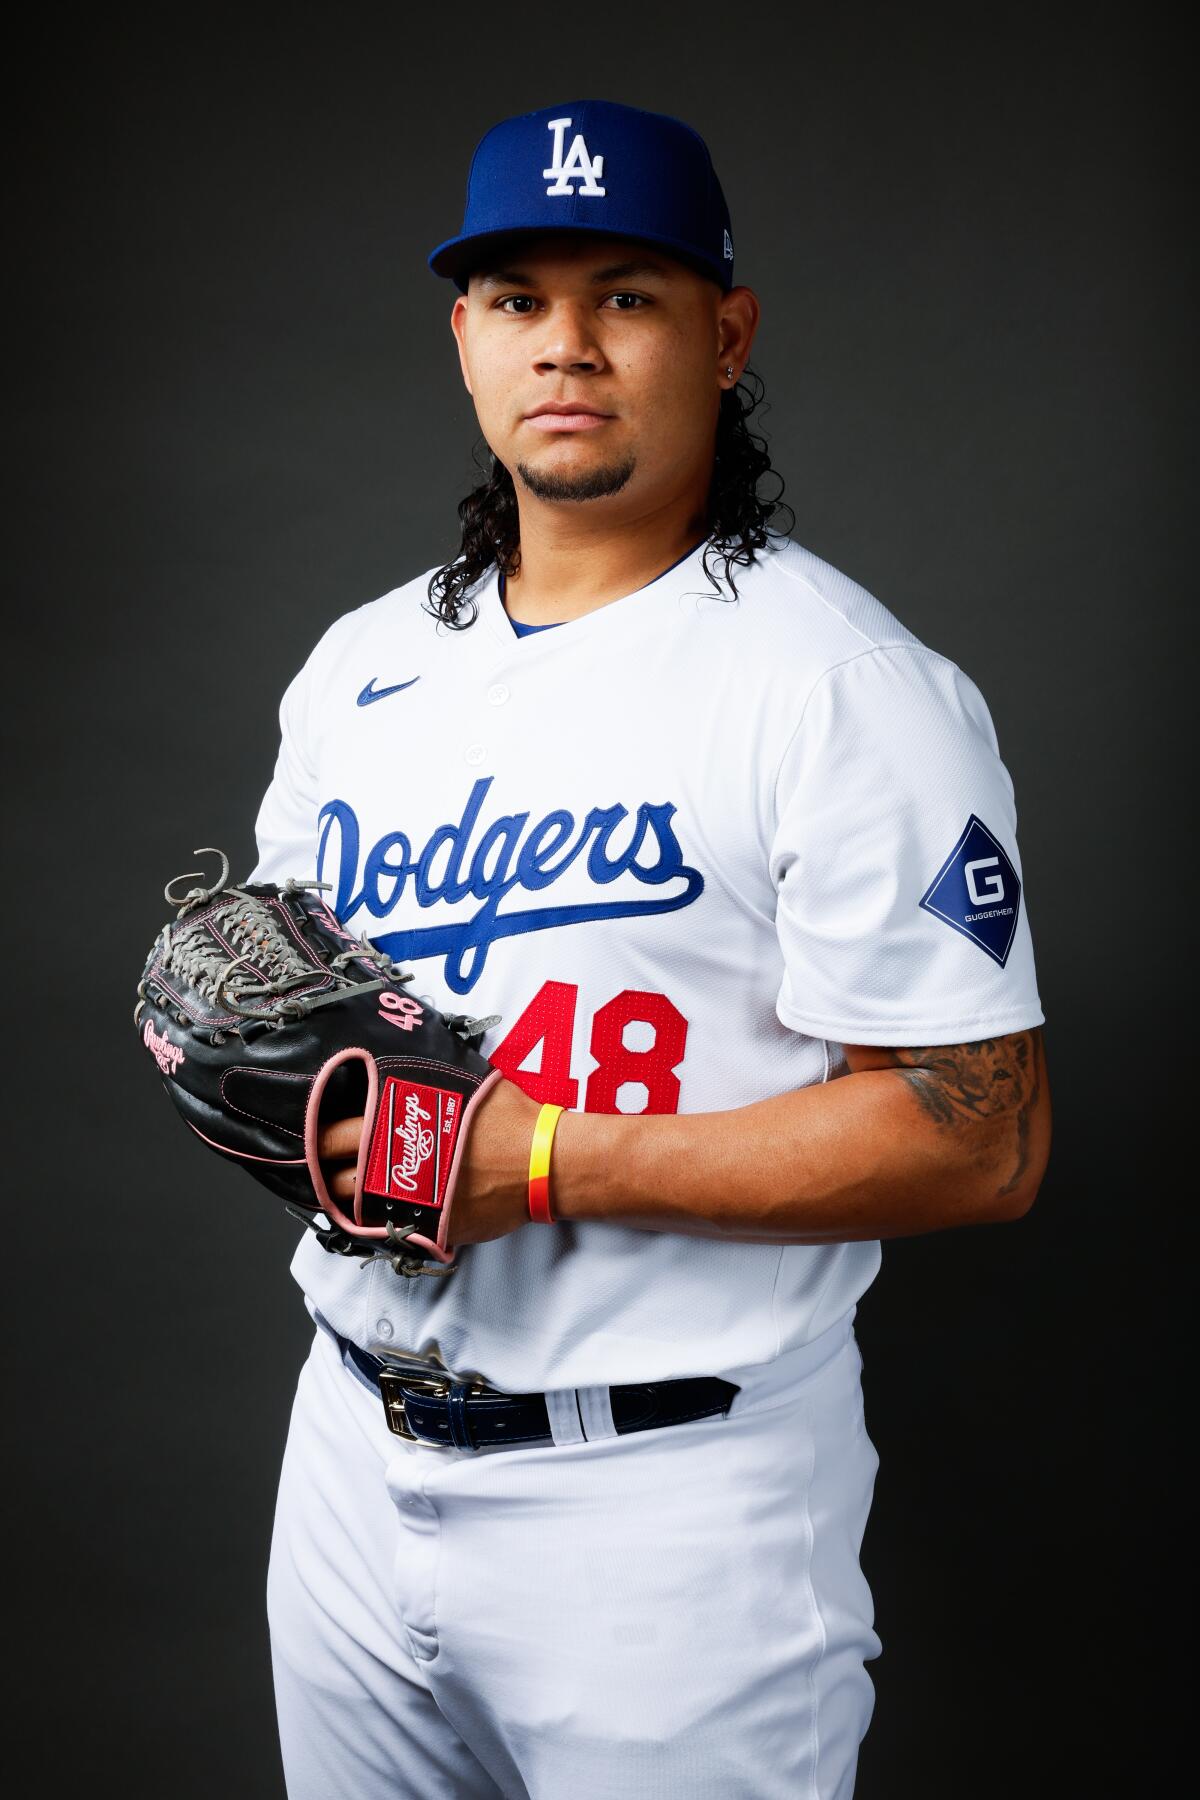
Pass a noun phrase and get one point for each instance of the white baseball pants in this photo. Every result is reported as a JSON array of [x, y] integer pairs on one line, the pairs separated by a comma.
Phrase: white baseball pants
[[673, 1614]]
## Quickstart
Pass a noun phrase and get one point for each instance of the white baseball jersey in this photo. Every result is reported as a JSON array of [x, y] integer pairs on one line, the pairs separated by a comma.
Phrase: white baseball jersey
[[688, 847]]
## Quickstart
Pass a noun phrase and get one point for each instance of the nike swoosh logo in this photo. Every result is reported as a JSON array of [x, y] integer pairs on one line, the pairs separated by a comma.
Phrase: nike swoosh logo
[[371, 692]]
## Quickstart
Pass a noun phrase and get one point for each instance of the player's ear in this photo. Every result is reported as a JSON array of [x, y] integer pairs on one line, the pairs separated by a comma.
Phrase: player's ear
[[737, 321], [458, 324]]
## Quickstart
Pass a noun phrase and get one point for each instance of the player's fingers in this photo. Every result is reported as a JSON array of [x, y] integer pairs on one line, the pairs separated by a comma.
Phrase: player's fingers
[[340, 1138], [341, 1185]]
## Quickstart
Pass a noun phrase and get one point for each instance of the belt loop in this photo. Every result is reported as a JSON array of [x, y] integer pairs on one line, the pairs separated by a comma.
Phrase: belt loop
[[460, 1431], [580, 1415], [562, 1408], [595, 1409]]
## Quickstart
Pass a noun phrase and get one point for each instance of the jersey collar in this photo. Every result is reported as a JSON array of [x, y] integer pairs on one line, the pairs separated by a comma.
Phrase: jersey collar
[[680, 578]]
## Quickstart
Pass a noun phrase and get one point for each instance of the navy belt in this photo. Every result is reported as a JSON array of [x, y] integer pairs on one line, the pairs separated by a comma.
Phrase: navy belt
[[450, 1413]]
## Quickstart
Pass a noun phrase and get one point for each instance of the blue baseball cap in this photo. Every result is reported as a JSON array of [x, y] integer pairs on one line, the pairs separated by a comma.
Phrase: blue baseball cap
[[594, 165]]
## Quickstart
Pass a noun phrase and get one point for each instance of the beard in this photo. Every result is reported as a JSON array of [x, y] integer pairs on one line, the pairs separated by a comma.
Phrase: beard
[[593, 484]]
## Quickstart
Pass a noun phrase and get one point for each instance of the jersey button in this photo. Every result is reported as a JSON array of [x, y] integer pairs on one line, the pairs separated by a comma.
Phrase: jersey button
[[384, 1328], [475, 754], [498, 693]]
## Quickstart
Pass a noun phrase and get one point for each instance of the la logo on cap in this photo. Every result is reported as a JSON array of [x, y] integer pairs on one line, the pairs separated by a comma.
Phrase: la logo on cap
[[579, 166]]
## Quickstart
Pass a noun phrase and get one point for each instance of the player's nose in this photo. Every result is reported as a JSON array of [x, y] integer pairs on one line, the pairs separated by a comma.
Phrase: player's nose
[[569, 339]]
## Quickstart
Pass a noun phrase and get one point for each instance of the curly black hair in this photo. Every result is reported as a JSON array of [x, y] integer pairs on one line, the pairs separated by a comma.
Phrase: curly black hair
[[738, 519]]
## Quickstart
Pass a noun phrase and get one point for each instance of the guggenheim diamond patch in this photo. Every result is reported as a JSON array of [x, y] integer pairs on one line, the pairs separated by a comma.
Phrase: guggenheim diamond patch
[[977, 891]]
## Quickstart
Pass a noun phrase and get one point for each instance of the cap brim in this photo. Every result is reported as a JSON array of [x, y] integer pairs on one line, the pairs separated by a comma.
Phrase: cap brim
[[458, 256]]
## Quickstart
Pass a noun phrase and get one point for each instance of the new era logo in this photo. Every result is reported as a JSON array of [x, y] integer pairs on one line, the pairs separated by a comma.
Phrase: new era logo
[[977, 891]]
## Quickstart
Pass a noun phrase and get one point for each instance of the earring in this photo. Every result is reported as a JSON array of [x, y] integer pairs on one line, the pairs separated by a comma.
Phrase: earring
[[729, 371]]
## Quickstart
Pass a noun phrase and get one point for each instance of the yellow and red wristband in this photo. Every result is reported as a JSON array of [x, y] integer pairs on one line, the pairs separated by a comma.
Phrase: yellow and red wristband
[[539, 1163]]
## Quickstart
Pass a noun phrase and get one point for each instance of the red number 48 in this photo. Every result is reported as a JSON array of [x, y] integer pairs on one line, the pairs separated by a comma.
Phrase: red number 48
[[549, 1019]]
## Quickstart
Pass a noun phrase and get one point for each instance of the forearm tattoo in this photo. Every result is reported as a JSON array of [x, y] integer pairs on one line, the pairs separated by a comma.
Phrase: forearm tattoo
[[995, 1078]]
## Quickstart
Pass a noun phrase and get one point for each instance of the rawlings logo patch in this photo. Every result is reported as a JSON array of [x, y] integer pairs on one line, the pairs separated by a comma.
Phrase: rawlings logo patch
[[167, 1054], [412, 1144]]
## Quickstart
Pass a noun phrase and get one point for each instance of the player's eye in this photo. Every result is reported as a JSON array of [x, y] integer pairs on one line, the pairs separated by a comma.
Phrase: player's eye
[[501, 304], [638, 299]]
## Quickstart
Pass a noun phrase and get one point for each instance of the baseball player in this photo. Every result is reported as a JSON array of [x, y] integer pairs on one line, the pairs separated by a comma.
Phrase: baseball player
[[729, 858]]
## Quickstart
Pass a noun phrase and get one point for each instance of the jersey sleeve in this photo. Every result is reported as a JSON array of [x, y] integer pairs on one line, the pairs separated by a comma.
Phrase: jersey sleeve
[[286, 828], [901, 910]]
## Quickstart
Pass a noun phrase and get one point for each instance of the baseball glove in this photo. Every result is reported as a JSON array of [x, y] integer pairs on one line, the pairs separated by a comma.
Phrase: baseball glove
[[267, 1021]]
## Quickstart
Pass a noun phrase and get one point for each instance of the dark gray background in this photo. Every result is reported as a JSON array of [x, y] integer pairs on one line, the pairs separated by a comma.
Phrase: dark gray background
[[237, 415]]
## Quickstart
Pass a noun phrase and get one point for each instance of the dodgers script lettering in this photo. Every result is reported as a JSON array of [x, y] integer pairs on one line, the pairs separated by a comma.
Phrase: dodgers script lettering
[[489, 862]]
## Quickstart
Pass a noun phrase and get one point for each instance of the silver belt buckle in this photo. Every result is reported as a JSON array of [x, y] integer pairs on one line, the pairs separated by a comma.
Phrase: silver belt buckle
[[393, 1380]]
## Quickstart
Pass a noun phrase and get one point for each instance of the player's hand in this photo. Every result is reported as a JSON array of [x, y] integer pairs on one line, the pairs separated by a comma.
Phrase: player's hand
[[491, 1196]]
